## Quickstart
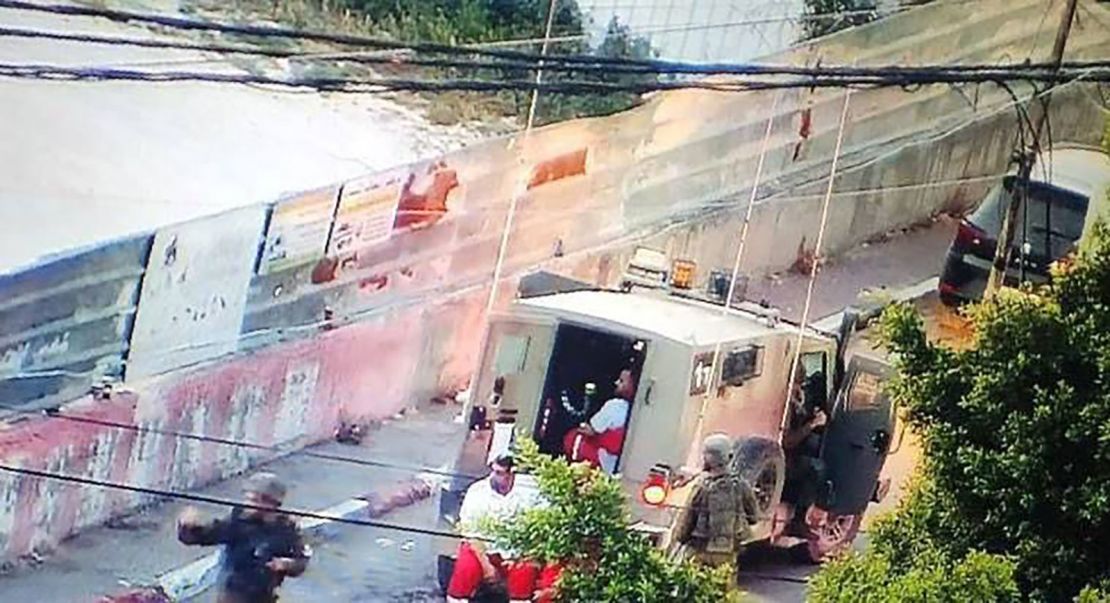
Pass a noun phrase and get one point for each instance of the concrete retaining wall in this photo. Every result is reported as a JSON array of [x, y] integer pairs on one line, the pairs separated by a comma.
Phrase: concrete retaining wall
[[286, 396]]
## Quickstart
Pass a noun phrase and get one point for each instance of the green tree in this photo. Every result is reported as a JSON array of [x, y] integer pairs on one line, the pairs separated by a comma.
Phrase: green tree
[[585, 527], [1016, 434], [619, 42], [824, 17], [477, 21], [905, 563], [1094, 595], [468, 21]]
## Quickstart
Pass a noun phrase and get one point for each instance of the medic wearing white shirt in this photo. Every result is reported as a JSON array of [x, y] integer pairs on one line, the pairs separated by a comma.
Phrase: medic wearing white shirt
[[606, 428], [497, 496]]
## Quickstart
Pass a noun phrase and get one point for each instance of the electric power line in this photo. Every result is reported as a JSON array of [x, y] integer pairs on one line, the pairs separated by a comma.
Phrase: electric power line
[[265, 31], [383, 44], [1092, 73], [650, 31], [214, 500], [555, 64], [142, 429]]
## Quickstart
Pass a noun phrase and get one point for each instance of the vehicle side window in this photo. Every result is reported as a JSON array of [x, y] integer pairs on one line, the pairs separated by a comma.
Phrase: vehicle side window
[[1055, 222], [988, 216], [815, 364], [1032, 226], [865, 391], [1067, 226]]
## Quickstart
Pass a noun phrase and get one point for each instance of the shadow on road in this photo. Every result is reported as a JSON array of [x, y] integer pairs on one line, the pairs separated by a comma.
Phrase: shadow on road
[[772, 574]]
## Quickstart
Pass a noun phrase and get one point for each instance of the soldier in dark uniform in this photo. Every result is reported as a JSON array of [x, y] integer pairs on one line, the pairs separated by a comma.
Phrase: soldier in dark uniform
[[802, 440], [722, 510], [262, 546]]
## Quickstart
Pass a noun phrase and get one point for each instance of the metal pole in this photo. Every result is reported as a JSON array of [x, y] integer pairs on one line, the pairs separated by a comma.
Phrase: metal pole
[[527, 135], [503, 246], [752, 198], [1025, 165], [816, 259]]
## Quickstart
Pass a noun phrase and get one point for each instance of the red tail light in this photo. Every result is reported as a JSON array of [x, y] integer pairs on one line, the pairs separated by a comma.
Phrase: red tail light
[[970, 235], [656, 487]]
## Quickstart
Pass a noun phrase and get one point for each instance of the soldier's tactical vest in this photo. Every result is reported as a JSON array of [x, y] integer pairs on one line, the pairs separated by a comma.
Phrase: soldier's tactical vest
[[717, 507]]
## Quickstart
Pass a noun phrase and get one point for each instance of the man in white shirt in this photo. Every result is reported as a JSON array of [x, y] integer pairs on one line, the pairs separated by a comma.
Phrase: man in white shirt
[[499, 496], [606, 428]]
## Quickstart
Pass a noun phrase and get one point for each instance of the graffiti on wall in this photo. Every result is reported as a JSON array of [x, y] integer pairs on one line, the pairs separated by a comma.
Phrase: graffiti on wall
[[65, 324], [296, 399], [424, 196], [192, 298], [558, 168], [299, 228]]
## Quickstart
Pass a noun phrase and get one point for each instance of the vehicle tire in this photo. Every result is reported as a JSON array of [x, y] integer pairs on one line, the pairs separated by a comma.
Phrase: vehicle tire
[[831, 538], [760, 461]]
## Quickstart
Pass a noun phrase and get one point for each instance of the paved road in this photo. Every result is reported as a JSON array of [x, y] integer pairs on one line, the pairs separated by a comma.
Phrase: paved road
[[141, 547]]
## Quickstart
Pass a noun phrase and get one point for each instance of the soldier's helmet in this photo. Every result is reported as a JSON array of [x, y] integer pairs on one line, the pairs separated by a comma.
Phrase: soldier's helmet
[[717, 450]]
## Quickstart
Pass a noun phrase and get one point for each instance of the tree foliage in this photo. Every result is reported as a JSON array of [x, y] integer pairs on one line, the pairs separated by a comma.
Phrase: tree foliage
[[468, 21], [933, 577], [830, 16], [476, 21], [904, 562], [619, 42], [585, 527], [1016, 434]]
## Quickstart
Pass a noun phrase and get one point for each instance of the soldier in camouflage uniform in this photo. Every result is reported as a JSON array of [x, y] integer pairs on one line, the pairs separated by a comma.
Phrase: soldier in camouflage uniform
[[722, 509]]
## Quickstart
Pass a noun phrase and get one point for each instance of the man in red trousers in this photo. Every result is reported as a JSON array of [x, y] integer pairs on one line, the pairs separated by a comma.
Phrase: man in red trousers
[[498, 496]]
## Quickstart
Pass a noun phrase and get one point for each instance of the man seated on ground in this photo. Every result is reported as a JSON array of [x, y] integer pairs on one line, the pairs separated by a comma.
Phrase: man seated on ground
[[603, 435], [496, 497]]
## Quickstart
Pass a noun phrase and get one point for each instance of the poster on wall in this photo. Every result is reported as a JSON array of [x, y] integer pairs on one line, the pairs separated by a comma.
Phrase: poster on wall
[[194, 291], [299, 228], [367, 209]]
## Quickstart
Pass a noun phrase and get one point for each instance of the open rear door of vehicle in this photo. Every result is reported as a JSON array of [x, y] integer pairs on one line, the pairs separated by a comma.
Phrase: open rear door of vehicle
[[858, 436]]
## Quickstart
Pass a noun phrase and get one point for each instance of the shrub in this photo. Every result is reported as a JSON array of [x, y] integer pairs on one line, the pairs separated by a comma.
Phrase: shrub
[[585, 527]]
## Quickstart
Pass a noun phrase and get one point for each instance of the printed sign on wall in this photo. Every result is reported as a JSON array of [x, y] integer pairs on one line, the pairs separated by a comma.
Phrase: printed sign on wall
[[367, 209], [299, 229], [194, 291], [702, 374]]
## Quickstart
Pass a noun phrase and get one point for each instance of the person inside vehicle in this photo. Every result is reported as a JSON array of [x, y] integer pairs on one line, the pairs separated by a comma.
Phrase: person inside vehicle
[[722, 510], [802, 440], [479, 560], [262, 545], [602, 437]]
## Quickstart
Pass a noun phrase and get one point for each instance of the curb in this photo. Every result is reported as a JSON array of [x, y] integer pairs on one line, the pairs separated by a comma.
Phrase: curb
[[904, 294]]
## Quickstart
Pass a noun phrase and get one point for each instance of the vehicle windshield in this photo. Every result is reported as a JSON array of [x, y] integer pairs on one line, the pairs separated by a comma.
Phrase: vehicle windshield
[[1050, 224], [988, 216]]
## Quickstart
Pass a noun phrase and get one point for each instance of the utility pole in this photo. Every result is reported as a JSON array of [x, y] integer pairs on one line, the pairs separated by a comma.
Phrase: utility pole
[[1025, 165]]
